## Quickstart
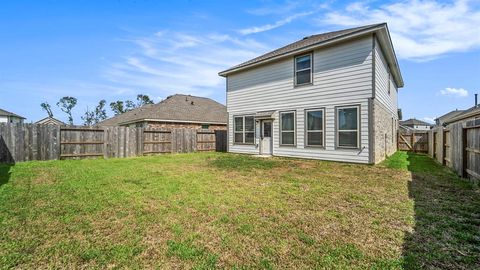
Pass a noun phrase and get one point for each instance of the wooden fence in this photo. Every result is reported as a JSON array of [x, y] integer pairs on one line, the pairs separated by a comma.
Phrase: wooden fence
[[412, 141], [457, 146], [24, 142]]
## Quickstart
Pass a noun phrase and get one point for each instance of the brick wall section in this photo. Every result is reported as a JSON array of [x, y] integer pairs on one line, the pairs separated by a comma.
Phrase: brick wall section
[[170, 125], [385, 132]]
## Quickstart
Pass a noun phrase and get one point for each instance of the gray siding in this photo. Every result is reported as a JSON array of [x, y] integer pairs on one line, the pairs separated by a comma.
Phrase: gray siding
[[386, 110], [382, 80], [342, 76]]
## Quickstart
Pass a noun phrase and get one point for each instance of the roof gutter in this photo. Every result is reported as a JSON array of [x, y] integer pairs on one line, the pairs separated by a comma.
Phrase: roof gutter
[[170, 121], [322, 44]]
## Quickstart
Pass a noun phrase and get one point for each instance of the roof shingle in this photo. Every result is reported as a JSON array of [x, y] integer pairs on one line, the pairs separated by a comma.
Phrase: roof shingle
[[303, 43], [183, 108]]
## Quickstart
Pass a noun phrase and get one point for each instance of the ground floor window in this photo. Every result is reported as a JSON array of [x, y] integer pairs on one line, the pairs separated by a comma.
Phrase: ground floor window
[[244, 129], [314, 127], [287, 128], [348, 123]]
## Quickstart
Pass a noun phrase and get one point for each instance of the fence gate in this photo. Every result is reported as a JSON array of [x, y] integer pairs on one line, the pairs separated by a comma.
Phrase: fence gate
[[471, 154], [413, 141], [221, 140]]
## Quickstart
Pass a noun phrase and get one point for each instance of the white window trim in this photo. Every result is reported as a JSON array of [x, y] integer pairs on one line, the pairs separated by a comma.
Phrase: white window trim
[[310, 68], [320, 130], [337, 131], [243, 132], [294, 131]]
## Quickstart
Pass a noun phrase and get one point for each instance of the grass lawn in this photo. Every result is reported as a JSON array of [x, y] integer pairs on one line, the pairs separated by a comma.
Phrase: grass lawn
[[214, 210]]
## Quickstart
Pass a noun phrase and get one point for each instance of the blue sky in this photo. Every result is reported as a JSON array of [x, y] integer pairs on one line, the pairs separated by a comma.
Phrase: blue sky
[[114, 50]]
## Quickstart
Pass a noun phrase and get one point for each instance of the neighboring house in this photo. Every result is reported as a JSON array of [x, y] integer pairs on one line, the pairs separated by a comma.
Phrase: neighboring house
[[8, 117], [330, 96], [470, 116], [50, 121], [416, 124], [441, 120], [177, 111]]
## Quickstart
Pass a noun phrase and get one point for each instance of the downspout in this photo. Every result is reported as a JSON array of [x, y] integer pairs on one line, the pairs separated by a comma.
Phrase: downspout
[[371, 120], [228, 114]]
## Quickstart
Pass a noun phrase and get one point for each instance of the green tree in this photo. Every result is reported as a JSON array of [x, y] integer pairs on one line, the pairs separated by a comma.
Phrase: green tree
[[143, 100], [66, 104], [129, 105], [100, 112], [88, 118], [47, 108], [117, 107]]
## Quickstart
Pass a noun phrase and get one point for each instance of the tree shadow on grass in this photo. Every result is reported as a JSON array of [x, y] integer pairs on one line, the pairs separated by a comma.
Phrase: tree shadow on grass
[[446, 233], [6, 162]]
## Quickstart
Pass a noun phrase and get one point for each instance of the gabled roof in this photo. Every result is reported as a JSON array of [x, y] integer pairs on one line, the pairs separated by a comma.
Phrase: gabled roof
[[50, 121], [314, 41], [413, 121], [471, 112], [176, 108], [449, 115], [7, 113]]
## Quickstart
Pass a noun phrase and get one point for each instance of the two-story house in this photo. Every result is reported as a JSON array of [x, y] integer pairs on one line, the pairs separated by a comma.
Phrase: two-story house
[[9, 117], [331, 96]]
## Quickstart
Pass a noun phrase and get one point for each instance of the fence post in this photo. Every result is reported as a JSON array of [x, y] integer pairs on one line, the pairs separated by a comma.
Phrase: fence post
[[464, 152]]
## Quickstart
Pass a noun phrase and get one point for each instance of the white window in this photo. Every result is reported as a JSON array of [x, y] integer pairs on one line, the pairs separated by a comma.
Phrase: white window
[[244, 129], [287, 128], [348, 122], [303, 69], [314, 134]]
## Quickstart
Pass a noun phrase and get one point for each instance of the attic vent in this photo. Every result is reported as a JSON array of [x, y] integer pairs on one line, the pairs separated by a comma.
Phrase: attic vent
[[306, 37]]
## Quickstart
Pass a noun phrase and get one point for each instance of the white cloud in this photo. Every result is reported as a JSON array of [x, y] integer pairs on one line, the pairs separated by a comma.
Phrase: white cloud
[[167, 62], [266, 27], [420, 30], [454, 92], [429, 119]]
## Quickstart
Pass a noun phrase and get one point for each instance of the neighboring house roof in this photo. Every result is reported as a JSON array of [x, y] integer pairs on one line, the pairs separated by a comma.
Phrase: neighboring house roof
[[50, 121], [7, 113], [176, 108], [471, 112], [448, 115], [314, 41], [413, 121]]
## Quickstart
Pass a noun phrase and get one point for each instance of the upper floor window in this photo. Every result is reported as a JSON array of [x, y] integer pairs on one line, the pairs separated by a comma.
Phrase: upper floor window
[[244, 129], [314, 130], [303, 69], [348, 123], [287, 128]]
